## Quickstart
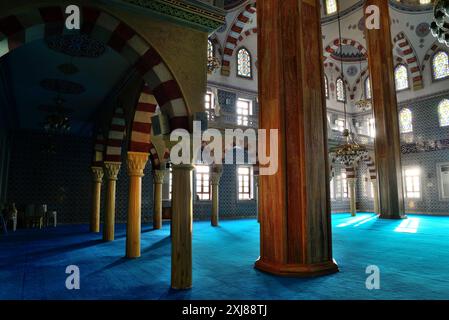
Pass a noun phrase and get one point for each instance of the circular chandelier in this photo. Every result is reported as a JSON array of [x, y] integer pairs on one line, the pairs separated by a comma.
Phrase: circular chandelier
[[57, 121], [363, 104], [349, 152], [440, 24], [212, 64]]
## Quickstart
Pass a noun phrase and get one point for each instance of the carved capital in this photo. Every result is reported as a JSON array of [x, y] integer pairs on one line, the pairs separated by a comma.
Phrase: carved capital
[[215, 178], [97, 174], [136, 163], [111, 170], [158, 176]]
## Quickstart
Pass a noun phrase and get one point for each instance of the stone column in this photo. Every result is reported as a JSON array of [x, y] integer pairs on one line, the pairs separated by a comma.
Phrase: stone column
[[352, 196], [387, 142], [295, 224], [111, 170], [96, 199], [376, 196], [215, 182], [136, 164], [158, 180], [182, 214]]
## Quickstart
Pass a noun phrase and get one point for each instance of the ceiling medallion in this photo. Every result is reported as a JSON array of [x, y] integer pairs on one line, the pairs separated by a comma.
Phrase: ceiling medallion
[[440, 24], [76, 45], [68, 68], [62, 86]]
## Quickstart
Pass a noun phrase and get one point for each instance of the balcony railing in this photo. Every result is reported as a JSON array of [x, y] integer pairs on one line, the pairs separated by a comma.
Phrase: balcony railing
[[231, 120]]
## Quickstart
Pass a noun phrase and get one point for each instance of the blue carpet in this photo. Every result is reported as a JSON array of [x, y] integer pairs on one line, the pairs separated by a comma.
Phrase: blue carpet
[[412, 254]]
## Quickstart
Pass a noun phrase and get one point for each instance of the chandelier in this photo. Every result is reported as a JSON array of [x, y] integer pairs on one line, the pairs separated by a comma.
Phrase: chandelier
[[212, 63], [440, 25], [350, 151], [57, 121], [363, 104]]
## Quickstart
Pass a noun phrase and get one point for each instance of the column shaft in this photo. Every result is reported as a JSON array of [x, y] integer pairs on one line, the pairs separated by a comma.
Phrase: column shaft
[[182, 214], [96, 199], [111, 171], [352, 196], [295, 226], [387, 142], [136, 164], [215, 182], [158, 179]]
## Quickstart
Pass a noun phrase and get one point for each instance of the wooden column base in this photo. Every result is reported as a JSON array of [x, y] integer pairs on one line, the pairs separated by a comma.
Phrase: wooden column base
[[297, 270]]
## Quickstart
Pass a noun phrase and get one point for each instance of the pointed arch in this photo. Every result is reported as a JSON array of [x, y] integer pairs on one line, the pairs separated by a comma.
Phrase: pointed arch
[[409, 53]]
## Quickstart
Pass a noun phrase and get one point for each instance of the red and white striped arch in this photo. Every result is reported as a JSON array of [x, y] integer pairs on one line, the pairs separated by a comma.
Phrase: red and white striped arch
[[114, 143], [99, 147], [233, 36], [434, 48], [410, 58], [39, 23]]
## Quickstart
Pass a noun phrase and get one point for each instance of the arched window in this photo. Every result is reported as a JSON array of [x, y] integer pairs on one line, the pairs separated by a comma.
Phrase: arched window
[[443, 113], [341, 93], [243, 63], [368, 88], [401, 77], [210, 49], [405, 121], [440, 65], [331, 6], [326, 87]]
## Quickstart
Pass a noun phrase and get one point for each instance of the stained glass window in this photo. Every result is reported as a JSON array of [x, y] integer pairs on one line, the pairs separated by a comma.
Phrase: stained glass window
[[443, 112], [401, 77], [244, 63], [405, 121], [326, 87], [331, 6], [210, 49], [440, 65], [341, 94], [368, 88]]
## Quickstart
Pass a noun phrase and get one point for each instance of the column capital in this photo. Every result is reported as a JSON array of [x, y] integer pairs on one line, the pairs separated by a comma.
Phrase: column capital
[[158, 176], [97, 174], [136, 163], [215, 178], [111, 169], [188, 167]]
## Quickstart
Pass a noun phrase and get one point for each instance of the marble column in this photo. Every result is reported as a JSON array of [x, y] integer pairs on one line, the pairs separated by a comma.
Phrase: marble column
[[295, 224], [376, 196], [215, 182], [387, 143], [97, 174], [158, 180], [182, 215], [136, 164], [111, 170], [352, 196]]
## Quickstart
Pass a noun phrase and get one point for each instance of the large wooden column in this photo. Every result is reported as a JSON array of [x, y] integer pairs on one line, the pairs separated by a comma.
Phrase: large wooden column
[[97, 174], [181, 229], [111, 170], [158, 180], [136, 164], [387, 142], [295, 226]]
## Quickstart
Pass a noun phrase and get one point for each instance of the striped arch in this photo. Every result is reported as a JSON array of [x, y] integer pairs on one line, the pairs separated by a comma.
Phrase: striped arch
[[99, 147], [334, 45], [361, 77], [113, 151], [434, 48], [246, 34], [410, 58], [233, 36], [43, 22], [371, 166]]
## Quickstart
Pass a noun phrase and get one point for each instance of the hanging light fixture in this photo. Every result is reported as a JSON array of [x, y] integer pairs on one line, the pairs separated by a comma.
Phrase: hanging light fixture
[[350, 151], [57, 120], [363, 104], [212, 64], [440, 24]]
